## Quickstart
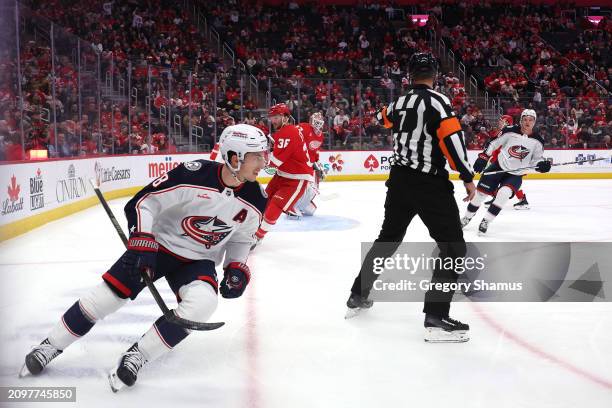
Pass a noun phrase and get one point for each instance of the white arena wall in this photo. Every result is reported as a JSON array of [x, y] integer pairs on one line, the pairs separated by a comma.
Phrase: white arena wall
[[34, 193]]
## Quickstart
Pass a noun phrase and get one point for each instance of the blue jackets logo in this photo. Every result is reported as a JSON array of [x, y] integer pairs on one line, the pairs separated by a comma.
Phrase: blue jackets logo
[[519, 152], [206, 230]]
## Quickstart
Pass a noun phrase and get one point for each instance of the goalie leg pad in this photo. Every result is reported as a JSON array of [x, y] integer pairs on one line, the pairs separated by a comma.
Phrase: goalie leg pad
[[305, 204], [310, 209]]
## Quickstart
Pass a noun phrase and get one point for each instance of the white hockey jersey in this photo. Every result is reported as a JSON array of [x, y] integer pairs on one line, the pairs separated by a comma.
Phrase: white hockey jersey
[[194, 215], [516, 150]]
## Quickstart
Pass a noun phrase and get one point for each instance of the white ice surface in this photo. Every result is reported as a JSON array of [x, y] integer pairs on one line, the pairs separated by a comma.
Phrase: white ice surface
[[285, 342]]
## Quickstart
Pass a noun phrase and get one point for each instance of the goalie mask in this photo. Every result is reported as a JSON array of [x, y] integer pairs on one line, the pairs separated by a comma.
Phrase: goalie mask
[[317, 122]]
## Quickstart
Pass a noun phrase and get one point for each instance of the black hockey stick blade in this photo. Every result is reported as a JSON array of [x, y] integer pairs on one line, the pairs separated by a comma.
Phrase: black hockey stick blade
[[168, 314], [554, 164]]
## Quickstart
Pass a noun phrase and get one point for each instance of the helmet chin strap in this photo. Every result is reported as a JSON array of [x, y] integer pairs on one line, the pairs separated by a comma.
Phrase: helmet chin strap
[[234, 172]]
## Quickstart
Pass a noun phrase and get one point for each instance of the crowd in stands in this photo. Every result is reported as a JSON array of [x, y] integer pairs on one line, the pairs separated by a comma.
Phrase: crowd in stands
[[348, 74], [568, 86], [154, 41]]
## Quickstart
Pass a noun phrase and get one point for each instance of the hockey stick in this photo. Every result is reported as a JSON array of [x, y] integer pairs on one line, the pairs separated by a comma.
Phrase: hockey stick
[[533, 167], [169, 314]]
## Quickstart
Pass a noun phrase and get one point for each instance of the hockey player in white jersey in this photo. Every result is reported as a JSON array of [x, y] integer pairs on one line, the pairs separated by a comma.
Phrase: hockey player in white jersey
[[519, 146], [182, 225]]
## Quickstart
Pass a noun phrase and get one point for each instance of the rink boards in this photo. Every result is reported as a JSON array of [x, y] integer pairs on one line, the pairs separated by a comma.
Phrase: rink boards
[[34, 193]]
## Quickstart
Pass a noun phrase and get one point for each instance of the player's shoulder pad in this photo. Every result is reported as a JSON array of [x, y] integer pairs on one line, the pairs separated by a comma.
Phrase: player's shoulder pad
[[253, 193], [511, 129], [536, 136], [200, 172], [286, 131], [307, 128]]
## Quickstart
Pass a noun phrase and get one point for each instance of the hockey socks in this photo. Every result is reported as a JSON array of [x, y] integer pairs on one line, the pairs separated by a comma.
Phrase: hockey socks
[[160, 338], [472, 208], [83, 315], [492, 212], [501, 198], [199, 301], [271, 215], [76, 321]]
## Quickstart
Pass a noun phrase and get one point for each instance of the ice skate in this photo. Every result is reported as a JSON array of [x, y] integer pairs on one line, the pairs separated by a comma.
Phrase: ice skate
[[522, 205], [445, 330], [294, 215], [356, 304], [126, 371], [38, 358], [482, 228], [465, 221]]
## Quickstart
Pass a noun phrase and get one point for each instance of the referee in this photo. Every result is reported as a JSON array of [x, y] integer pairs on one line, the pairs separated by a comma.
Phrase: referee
[[426, 135]]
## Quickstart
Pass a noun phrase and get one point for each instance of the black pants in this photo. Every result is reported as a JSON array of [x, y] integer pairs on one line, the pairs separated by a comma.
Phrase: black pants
[[411, 193]]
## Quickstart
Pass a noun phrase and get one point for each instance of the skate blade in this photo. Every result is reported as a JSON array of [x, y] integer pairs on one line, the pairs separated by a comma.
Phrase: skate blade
[[437, 335], [524, 207], [350, 313], [24, 372], [115, 383], [482, 234]]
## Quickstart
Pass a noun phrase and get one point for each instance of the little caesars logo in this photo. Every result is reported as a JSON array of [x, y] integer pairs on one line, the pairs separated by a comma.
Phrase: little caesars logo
[[37, 198], [14, 203], [70, 188], [103, 175]]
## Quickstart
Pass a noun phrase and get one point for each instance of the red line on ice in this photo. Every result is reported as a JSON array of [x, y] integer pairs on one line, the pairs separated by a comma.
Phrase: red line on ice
[[253, 395], [539, 352]]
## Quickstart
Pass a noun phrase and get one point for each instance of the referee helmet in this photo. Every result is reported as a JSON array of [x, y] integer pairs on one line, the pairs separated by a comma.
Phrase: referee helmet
[[422, 65]]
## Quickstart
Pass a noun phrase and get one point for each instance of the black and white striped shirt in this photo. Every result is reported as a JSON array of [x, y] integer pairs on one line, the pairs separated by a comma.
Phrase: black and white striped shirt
[[426, 133]]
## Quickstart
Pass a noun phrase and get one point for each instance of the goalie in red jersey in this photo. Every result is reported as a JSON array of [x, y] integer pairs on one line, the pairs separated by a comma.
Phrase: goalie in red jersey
[[313, 136], [294, 169]]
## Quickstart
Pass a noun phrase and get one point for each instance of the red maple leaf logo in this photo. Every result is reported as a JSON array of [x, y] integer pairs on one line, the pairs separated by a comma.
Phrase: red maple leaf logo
[[38, 172], [13, 189], [371, 163]]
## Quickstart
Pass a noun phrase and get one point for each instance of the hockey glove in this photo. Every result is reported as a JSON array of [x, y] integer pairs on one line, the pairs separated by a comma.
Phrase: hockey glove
[[543, 166], [141, 255], [235, 280], [318, 168], [480, 163]]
